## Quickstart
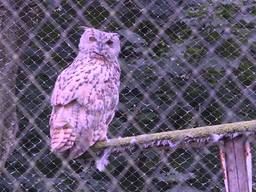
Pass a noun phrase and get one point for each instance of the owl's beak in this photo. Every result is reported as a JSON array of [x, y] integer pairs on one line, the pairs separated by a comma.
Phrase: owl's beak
[[99, 47], [99, 51]]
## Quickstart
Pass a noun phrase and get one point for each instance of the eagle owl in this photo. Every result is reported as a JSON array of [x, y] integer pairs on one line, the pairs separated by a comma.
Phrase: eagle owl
[[86, 94]]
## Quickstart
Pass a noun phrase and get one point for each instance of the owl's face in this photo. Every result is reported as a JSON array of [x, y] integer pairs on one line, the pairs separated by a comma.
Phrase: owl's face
[[100, 45]]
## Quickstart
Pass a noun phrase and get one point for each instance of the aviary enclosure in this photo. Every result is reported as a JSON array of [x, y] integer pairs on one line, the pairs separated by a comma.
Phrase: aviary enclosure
[[185, 64]]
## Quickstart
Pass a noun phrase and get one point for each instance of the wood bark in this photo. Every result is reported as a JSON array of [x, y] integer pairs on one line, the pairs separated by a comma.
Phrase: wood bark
[[8, 69], [199, 135]]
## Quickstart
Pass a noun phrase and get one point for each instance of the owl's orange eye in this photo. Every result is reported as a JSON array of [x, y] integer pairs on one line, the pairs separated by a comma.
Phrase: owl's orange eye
[[109, 43], [92, 39]]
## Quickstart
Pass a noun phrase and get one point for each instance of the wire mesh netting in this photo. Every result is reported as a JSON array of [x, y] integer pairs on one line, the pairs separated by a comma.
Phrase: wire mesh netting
[[184, 64]]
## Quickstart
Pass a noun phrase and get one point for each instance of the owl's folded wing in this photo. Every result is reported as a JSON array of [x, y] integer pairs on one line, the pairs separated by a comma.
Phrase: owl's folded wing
[[70, 95], [73, 85]]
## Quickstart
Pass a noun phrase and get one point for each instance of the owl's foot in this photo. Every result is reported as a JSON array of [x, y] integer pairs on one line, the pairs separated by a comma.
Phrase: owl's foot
[[103, 161], [105, 139]]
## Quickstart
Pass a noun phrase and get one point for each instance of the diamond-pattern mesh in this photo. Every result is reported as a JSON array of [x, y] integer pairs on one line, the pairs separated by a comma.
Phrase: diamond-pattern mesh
[[184, 64]]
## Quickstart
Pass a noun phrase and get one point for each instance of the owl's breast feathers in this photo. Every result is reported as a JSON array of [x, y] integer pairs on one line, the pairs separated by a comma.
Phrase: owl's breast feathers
[[84, 96], [81, 82]]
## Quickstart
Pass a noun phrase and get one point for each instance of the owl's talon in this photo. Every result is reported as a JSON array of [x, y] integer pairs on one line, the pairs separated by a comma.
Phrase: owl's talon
[[106, 139]]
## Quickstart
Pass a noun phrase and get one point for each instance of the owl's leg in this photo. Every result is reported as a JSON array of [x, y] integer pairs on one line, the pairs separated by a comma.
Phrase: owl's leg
[[79, 148], [104, 136], [100, 135], [103, 161], [103, 132], [108, 119]]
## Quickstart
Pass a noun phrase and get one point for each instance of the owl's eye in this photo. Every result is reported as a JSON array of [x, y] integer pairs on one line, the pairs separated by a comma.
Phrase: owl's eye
[[109, 43], [92, 39]]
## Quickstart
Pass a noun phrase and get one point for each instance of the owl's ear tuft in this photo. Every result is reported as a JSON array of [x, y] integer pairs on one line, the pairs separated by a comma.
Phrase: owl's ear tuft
[[116, 35], [84, 28]]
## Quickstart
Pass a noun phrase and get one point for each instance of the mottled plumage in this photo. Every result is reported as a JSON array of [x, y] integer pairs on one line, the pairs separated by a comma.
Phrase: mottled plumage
[[85, 94]]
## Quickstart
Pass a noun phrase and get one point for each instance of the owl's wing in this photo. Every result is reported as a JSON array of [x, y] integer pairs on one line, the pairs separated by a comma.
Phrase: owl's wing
[[72, 85], [63, 126], [70, 95]]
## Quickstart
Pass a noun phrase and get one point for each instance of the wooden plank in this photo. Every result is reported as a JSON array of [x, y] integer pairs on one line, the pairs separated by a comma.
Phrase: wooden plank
[[239, 146], [249, 163], [230, 158], [224, 167], [241, 168], [236, 164]]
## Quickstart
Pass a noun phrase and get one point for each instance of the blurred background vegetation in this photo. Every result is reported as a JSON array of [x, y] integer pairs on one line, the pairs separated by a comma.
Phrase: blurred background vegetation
[[184, 64]]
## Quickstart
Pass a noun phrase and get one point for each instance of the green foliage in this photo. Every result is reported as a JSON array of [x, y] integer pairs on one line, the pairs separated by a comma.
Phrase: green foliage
[[48, 165], [181, 159], [129, 14], [227, 11], [17, 164], [163, 95], [63, 55], [229, 49], [131, 97], [229, 93], [247, 111], [180, 117], [253, 49], [210, 34], [178, 32], [242, 30], [213, 114], [31, 14], [195, 53], [161, 49], [252, 10], [96, 14], [195, 94], [147, 161], [48, 35], [147, 118], [145, 75], [202, 178], [147, 30], [212, 75], [32, 143], [132, 176], [199, 10], [64, 16], [246, 72]]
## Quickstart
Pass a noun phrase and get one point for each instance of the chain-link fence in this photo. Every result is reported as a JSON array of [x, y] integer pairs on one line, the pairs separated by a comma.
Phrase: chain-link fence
[[184, 64]]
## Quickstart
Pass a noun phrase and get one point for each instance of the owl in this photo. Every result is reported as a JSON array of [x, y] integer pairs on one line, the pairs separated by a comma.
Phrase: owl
[[86, 93]]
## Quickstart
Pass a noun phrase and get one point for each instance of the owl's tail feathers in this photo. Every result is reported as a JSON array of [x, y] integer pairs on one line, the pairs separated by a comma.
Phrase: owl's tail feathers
[[63, 139], [81, 145], [63, 136], [62, 127], [77, 151]]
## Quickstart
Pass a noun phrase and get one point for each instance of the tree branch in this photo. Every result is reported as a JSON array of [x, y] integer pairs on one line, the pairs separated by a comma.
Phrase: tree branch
[[206, 134]]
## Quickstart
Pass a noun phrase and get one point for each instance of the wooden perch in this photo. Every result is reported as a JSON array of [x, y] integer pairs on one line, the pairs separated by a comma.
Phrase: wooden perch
[[210, 133], [235, 153]]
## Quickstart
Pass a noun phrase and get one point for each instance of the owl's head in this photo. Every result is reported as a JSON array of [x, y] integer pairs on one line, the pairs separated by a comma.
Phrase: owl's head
[[99, 44]]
